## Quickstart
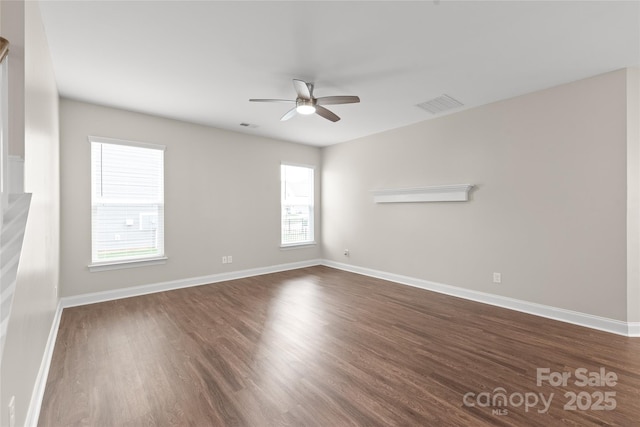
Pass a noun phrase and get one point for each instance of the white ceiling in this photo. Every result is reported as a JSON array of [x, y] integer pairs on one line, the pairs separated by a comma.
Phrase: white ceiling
[[201, 61]]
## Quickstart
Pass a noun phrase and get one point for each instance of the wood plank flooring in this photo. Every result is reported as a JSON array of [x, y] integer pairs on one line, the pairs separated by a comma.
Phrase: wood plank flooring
[[322, 347]]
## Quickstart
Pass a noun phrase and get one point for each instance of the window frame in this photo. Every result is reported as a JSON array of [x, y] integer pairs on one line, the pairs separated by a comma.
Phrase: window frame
[[312, 214], [131, 262]]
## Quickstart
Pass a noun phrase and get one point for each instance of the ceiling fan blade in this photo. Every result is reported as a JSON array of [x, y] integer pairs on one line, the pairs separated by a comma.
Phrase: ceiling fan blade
[[303, 89], [328, 100], [272, 100], [329, 115], [289, 114]]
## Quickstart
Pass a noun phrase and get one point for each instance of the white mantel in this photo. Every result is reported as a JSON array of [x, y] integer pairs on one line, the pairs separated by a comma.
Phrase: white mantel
[[438, 193]]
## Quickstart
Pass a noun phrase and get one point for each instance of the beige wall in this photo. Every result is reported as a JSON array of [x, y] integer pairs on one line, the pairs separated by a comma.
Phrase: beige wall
[[35, 297], [222, 197], [549, 211]]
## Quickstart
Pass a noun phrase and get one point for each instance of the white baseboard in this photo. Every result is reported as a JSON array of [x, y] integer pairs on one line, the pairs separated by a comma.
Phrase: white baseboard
[[631, 329], [35, 404], [135, 291], [634, 329], [582, 319], [33, 413]]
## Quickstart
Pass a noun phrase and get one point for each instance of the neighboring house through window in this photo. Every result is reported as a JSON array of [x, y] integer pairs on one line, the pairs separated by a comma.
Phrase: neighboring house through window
[[127, 202]]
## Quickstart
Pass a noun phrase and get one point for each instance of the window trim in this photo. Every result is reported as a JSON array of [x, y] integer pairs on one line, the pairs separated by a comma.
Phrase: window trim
[[117, 141], [95, 266], [287, 246], [306, 243], [128, 263]]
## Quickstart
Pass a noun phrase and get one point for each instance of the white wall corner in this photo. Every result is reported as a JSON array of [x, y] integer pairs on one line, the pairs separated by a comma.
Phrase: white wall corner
[[633, 194]]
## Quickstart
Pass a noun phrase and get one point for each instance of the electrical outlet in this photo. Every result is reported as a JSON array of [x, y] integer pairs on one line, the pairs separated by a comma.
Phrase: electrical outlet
[[497, 278], [346, 252], [224, 259], [229, 259], [12, 412]]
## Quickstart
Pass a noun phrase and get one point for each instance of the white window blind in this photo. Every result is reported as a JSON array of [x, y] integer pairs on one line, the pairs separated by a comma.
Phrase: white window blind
[[296, 205], [127, 200]]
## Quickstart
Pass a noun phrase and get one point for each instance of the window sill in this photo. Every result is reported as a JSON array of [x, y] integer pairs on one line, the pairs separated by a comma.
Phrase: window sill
[[118, 265], [297, 245]]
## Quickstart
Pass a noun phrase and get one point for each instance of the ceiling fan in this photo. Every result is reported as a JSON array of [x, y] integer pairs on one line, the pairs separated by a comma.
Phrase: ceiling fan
[[307, 104]]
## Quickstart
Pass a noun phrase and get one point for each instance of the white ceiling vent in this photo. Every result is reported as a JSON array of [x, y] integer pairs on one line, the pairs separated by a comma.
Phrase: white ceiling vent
[[440, 104]]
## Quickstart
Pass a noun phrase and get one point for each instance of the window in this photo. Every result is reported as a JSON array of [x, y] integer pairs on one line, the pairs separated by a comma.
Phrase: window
[[127, 201], [297, 205]]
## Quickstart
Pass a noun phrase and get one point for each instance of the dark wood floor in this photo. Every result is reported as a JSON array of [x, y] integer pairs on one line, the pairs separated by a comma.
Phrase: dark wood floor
[[322, 347]]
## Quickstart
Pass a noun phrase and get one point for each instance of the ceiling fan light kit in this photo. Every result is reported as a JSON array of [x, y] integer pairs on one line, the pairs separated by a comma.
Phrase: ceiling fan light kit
[[306, 104]]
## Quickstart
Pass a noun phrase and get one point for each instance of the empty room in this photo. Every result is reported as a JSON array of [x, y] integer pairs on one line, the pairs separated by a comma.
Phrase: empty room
[[320, 213]]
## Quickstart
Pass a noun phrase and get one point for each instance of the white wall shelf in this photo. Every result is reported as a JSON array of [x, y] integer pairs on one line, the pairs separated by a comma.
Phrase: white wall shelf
[[438, 193]]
